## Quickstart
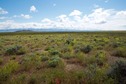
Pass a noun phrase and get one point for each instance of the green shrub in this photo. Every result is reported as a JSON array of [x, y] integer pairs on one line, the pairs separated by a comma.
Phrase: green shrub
[[19, 79], [30, 62], [53, 76], [96, 75], [99, 48], [67, 56], [26, 65], [101, 58], [4, 75], [106, 40], [81, 57], [65, 49], [54, 52], [53, 62], [32, 80], [86, 49], [44, 58], [119, 52], [15, 50], [77, 48], [9, 68], [69, 41], [13, 58], [115, 44], [118, 72], [90, 60], [79, 77], [48, 48]]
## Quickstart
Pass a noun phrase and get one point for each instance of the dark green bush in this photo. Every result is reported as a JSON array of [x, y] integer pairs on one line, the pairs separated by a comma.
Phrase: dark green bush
[[44, 58], [118, 72], [70, 42], [86, 49], [48, 48], [115, 45], [53, 62], [15, 50], [54, 52]]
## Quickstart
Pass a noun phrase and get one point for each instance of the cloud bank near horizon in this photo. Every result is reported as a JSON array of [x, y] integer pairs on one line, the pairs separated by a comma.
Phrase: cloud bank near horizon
[[98, 19]]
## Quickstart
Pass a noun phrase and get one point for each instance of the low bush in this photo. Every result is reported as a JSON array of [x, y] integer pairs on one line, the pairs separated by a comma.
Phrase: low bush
[[118, 72], [6, 71], [119, 52], [101, 58], [77, 48], [19, 79], [96, 75], [86, 49], [32, 80], [30, 62], [44, 58], [26, 65], [70, 42], [115, 44], [54, 52], [81, 57], [53, 76], [53, 62], [65, 49], [99, 48], [15, 50], [48, 48], [67, 56], [13, 58]]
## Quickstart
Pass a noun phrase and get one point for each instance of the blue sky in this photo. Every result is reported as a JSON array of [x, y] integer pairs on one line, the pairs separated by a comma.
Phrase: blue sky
[[72, 14]]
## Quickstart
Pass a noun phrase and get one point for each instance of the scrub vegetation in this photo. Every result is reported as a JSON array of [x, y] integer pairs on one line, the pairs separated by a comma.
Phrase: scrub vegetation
[[63, 58]]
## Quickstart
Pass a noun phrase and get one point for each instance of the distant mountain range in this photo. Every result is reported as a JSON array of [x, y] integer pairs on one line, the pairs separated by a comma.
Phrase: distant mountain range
[[51, 30], [39, 30]]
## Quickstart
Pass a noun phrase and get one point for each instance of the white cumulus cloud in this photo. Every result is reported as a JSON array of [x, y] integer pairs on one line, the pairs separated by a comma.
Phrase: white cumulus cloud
[[99, 16], [46, 20], [99, 19], [75, 13], [33, 9], [121, 14], [26, 16], [2, 11], [23, 16]]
